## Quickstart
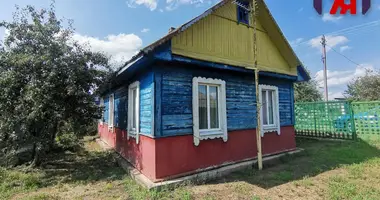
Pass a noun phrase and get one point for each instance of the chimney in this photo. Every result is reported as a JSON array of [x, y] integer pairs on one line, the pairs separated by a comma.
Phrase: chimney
[[171, 29]]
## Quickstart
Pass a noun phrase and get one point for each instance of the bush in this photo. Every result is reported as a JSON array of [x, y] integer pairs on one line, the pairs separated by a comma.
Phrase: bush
[[67, 138]]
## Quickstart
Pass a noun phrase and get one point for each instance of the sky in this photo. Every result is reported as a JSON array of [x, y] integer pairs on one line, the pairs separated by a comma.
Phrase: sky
[[122, 27]]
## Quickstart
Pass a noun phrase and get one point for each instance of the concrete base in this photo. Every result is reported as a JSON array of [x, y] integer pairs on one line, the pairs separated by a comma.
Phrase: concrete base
[[200, 176]]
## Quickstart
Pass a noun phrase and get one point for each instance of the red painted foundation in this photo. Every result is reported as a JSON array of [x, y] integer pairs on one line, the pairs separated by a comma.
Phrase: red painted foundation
[[141, 156], [169, 157]]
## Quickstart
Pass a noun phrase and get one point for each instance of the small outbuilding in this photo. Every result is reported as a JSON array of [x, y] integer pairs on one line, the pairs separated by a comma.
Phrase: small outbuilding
[[187, 102]]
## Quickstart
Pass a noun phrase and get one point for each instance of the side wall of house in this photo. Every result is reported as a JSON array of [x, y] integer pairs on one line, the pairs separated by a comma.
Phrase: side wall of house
[[141, 155], [176, 98], [178, 155]]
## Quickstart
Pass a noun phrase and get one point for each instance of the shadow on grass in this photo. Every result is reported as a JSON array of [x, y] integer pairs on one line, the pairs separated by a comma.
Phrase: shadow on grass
[[80, 168], [318, 157]]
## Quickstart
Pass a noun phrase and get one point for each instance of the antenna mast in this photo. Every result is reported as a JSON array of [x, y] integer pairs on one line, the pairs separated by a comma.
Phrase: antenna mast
[[253, 10]]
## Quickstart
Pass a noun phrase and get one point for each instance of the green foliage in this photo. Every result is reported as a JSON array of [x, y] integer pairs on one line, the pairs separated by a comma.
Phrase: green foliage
[[67, 138], [365, 88], [307, 92], [47, 80]]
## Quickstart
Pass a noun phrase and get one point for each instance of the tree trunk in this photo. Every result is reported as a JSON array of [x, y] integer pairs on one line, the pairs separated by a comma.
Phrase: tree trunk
[[36, 156]]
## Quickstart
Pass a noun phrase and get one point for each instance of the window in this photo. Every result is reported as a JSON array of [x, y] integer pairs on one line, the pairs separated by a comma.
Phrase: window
[[209, 109], [243, 14], [101, 104], [134, 110], [111, 111], [270, 116]]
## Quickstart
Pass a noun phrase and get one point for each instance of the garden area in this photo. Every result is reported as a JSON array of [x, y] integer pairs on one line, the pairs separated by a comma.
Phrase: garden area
[[324, 170]]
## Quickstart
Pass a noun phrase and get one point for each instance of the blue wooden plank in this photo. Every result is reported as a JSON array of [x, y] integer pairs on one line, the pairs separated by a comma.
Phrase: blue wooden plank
[[146, 108], [176, 91], [157, 103]]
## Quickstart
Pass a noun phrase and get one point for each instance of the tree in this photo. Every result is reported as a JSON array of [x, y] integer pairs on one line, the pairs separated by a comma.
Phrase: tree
[[307, 91], [47, 81], [365, 88]]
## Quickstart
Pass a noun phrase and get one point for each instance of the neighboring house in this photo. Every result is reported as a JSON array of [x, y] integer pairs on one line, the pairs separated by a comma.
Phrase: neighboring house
[[187, 102]]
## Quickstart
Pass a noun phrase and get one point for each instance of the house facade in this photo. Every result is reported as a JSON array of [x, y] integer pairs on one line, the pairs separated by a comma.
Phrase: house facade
[[187, 102]]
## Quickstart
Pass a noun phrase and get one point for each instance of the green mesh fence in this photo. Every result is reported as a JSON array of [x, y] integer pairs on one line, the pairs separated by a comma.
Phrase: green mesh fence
[[366, 117], [325, 119]]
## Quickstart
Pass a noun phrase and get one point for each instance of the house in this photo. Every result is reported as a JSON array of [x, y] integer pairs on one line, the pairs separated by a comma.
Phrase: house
[[187, 102]]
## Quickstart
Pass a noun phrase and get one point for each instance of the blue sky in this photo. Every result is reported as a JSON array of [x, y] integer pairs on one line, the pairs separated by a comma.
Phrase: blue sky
[[122, 27]]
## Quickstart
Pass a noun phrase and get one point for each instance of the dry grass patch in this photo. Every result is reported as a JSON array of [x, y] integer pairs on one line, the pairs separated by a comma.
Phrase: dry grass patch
[[325, 170]]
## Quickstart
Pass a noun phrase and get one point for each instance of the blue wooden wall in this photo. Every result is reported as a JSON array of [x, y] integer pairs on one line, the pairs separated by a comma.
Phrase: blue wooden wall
[[174, 86], [121, 103]]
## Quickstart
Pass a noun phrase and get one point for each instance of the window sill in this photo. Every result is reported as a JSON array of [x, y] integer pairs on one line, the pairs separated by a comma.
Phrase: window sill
[[271, 129], [209, 135], [132, 134], [243, 23]]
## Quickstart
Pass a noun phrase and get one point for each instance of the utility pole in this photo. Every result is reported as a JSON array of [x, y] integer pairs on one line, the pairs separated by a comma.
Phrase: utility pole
[[323, 42], [252, 16]]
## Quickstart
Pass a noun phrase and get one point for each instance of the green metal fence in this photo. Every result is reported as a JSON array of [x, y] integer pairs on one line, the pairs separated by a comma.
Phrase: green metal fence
[[337, 119], [366, 117]]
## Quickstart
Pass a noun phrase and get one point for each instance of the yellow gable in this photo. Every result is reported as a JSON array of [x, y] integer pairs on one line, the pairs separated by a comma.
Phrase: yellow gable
[[220, 38]]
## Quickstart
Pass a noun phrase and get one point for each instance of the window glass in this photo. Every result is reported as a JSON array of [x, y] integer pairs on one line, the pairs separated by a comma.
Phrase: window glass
[[134, 109], [202, 97], [270, 106], [264, 107], [214, 117], [243, 14]]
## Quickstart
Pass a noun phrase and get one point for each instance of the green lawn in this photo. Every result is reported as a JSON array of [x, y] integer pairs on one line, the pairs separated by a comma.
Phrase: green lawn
[[325, 170]]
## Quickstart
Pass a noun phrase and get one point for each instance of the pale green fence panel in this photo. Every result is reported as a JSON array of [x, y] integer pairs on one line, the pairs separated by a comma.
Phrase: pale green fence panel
[[325, 119], [366, 115]]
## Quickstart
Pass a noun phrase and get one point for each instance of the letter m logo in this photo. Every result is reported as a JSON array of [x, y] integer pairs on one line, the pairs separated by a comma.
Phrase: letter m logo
[[343, 6]]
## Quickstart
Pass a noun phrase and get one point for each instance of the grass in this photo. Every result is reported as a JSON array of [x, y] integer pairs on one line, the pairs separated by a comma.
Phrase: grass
[[325, 170]]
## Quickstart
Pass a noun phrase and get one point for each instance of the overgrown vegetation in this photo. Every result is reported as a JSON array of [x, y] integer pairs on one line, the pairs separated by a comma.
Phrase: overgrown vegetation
[[48, 86], [307, 91], [325, 170], [365, 88]]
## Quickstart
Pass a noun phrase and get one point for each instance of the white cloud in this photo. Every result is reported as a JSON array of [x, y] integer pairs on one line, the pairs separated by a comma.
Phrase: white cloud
[[335, 94], [3, 33], [161, 10], [341, 78], [145, 30], [337, 80], [330, 18], [121, 47], [296, 41], [345, 48], [151, 4], [331, 41]]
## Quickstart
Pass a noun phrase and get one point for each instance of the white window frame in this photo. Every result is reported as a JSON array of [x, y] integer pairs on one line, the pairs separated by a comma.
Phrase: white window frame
[[101, 104], [133, 132], [210, 133], [276, 127], [111, 110]]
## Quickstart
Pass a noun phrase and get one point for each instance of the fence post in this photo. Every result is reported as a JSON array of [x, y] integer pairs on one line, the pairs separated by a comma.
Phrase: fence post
[[354, 136], [315, 133]]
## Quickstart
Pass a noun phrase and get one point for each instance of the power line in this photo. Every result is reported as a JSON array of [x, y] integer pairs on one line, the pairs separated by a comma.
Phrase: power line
[[356, 27], [343, 55], [348, 30]]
